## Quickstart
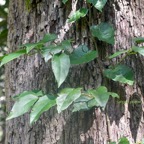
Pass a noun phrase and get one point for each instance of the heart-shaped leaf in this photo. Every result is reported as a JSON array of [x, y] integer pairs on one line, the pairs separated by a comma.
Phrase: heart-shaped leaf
[[66, 97], [43, 104], [9, 57], [22, 105], [82, 55], [60, 67], [103, 32], [120, 73], [78, 14], [98, 4]]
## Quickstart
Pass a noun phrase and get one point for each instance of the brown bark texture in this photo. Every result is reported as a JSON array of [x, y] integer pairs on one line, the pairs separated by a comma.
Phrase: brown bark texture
[[121, 117]]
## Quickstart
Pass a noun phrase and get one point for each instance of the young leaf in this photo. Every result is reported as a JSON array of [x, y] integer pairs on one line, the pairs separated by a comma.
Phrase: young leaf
[[140, 50], [48, 38], [66, 97], [43, 104], [117, 54], [82, 55], [22, 105], [103, 32], [138, 40], [11, 56], [78, 14], [60, 67], [121, 73]]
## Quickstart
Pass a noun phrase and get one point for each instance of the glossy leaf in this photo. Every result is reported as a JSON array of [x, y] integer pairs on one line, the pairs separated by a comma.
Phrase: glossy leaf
[[121, 73], [117, 54], [82, 55], [22, 105], [138, 40], [140, 50], [103, 32], [60, 67], [66, 97], [43, 104], [78, 14], [48, 38], [98, 4], [11, 56]]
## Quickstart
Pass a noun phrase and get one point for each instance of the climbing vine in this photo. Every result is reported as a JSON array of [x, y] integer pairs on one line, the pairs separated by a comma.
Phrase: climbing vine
[[62, 55]]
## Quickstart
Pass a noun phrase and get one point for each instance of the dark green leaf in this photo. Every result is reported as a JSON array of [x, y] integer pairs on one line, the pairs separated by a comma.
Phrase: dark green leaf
[[30, 46], [50, 51], [81, 103], [60, 67], [64, 1], [66, 97], [118, 53], [11, 56], [140, 50], [43, 104], [48, 38], [114, 95], [82, 55], [123, 141], [121, 73], [104, 32], [138, 40], [78, 14], [98, 4], [101, 97], [25, 93], [22, 106]]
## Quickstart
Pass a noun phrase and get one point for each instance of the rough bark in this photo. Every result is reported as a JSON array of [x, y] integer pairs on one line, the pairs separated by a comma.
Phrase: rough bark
[[26, 73]]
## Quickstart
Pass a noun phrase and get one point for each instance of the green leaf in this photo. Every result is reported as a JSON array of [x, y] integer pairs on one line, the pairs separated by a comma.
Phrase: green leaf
[[22, 106], [48, 52], [120, 73], [138, 40], [117, 54], [30, 46], [112, 142], [101, 97], [78, 14], [43, 104], [103, 32], [114, 95], [66, 45], [25, 93], [81, 103], [48, 38], [60, 67], [64, 1], [82, 55], [123, 141], [98, 4], [66, 97], [11, 56], [140, 50]]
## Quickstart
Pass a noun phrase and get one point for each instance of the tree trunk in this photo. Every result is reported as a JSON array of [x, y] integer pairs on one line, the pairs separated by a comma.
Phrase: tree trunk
[[121, 118]]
